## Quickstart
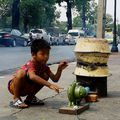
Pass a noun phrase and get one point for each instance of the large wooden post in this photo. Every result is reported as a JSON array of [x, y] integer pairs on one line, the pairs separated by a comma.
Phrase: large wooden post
[[100, 19]]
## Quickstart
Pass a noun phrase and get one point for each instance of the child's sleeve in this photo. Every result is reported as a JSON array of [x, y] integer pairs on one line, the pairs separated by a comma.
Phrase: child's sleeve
[[31, 66]]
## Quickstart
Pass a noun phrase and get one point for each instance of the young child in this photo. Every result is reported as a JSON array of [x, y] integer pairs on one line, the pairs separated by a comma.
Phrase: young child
[[32, 76]]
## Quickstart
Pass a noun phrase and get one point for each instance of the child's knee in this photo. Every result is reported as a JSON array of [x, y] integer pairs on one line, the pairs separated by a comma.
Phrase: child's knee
[[19, 77], [11, 87], [20, 74]]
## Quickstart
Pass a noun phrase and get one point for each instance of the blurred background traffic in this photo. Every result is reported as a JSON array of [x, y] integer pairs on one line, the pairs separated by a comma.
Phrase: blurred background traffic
[[21, 21]]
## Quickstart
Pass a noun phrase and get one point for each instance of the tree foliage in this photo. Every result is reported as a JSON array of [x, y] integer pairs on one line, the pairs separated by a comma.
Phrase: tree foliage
[[86, 10], [4, 7], [59, 1], [41, 13], [62, 26], [5, 12], [77, 22], [92, 12], [38, 13], [109, 20], [118, 30]]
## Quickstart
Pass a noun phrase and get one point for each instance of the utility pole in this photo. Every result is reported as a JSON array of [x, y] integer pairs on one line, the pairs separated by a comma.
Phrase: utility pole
[[114, 45], [15, 14], [100, 19], [104, 18]]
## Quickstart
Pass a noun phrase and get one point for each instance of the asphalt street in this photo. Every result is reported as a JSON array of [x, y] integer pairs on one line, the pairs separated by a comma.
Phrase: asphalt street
[[13, 57]]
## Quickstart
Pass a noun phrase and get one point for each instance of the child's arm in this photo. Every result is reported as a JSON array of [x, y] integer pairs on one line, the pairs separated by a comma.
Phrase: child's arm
[[61, 67], [41, 81]]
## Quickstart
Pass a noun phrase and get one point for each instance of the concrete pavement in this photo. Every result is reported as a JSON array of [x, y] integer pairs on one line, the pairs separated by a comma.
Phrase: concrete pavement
[[106, 109]]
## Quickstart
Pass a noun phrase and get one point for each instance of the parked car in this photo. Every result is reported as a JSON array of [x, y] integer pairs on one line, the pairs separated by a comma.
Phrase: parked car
[[69, 40], [73, 35], [12, 39], [38, 34], [62, 39], [109, 37], [53, 40], [25, 35]]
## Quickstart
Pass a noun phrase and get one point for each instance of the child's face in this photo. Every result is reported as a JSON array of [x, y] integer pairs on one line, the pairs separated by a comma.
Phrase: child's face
[[42, 56]]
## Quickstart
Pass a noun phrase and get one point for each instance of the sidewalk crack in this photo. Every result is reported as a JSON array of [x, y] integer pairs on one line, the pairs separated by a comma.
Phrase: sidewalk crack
[[16, 112], [54, 95]]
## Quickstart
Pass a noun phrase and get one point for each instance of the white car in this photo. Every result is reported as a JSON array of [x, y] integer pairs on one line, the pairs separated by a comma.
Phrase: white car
[[26, 35], [69, 40], [16, 32], [39, 34], [73, 35]]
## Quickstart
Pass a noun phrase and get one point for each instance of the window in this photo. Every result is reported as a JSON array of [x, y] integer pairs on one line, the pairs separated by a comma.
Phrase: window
[[36, 31], [73, 33]]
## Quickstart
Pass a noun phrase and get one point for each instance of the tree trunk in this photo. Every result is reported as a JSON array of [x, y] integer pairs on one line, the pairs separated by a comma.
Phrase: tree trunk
[[69, 15], [83, 15], [26, 22], [15, 14]]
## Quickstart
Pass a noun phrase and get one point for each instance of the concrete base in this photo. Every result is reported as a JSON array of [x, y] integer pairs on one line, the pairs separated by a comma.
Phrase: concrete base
[[74, 111]]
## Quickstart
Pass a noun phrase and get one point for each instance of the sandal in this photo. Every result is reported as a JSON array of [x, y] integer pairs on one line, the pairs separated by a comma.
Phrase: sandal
[[34, 101], [18, 104]]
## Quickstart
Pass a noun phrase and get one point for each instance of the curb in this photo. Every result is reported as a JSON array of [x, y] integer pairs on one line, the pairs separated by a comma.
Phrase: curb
[[10, 71]]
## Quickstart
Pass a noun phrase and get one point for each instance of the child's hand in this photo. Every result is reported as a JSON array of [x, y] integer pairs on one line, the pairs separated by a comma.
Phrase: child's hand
[[54, 87], [62, 65]]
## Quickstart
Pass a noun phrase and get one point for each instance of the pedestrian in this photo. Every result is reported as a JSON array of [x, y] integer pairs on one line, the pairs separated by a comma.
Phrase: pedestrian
[[33, 75], [30, 39]]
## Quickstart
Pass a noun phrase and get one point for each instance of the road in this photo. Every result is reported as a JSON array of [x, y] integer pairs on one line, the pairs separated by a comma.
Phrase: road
[[13, 57]]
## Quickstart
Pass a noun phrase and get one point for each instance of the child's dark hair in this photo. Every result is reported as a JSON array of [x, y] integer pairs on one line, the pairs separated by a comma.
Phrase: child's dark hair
[[39, 44]]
